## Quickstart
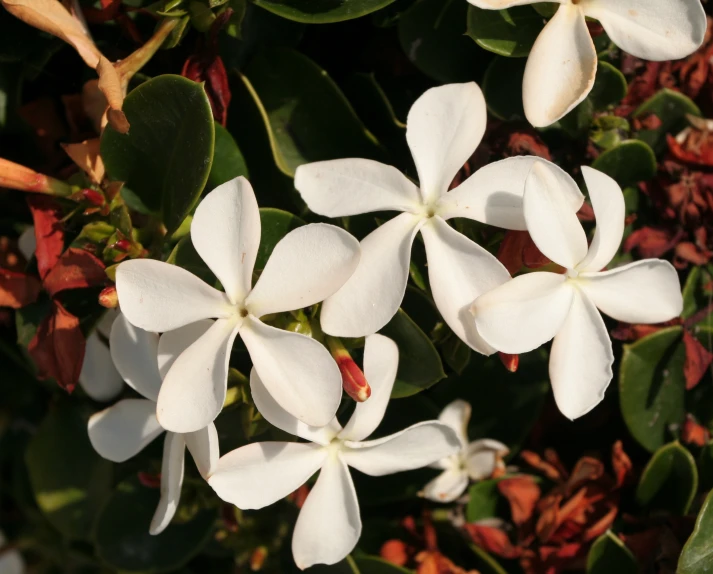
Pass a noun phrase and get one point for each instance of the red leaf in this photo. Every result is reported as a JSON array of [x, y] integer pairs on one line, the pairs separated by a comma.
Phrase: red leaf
[[623, 469], [522, 493], [76, 269], [209, 68], [651, 242], [18, 289], [492, 540], [694, 433], [58, 347], [698, 359], [49, 234]]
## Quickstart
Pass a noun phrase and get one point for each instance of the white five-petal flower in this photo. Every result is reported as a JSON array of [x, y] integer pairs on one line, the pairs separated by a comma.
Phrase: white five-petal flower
[[329, 524], [445, 126], [99, 377], [528, 311], [474, 461], [307, 265], [562, 65], [124, 429]]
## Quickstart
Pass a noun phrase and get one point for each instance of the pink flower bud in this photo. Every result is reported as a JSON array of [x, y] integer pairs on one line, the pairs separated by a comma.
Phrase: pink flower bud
[[353, 380]]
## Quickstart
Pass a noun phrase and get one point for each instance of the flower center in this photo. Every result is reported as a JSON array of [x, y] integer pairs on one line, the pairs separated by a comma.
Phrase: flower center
[[572, 274], [243, 312]]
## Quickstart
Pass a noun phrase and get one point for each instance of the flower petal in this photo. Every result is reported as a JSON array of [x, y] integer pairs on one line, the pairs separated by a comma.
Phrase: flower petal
[[134, 352], [273, 413], [560, 69], [226, 234], [482, 457], [99, 377], [645, 291], [581, 359], [654, 30], [524, 313], [381, 361], [459, 271], [444, 127], [193, 391], [124, 429], [308, 265], [204, 448], [261, 473], [415, 447], [551, 221], [373, 294], [457, 416], [447, 486], [610, 211], [159, 297], [298, 372], [173, 343], [493, 194], [172, 467], [328, 526], [344, 187]]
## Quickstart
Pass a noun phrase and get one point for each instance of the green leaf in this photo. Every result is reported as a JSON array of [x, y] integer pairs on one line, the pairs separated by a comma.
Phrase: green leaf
[[610, 86], [669, 481], [374, 565], [307, 116], [69, 480], [697, 554], [483, 500], [432, 34], [166, 157], [275, 224], [122, 536], [228, 160], [651, 386], [510, 32], [502, 88], [690, 292], [322, 11], [628, 163], [420, 365], [609, 555], [671, 108]]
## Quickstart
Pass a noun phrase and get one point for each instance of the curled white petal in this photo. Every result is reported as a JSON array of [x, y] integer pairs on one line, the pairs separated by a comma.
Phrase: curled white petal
[[447, 486], [204, 448], [172, 467], [99, 377], [134, 353], [457, 416]]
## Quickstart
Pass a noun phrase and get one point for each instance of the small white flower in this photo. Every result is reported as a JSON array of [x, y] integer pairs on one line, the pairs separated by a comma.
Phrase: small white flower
[[562, 65], [475, 461], [99, 377], [445, 125], [307, 265], [11, 561], [528, 311], [329, 524], [124, 429]]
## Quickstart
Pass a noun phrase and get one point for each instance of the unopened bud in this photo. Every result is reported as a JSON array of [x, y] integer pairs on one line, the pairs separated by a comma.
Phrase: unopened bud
[[15, 176], [93, 196], [109, 298], [353, 380], [122, 245], [511, 362], [257, 558]]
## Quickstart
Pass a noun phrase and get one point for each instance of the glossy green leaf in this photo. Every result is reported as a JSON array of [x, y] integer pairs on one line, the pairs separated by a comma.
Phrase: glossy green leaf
[[652, 387], [483, 500], [322, 11], [697, 554], [275, 224], [228, 160], [502, 88], [432, 34], [420, 364], [166, 157], [307, 116], [669, 481], [609, 88], [609, 555], [122, 536], [510, 32], [671, 108], [69, 480], [630, 162]]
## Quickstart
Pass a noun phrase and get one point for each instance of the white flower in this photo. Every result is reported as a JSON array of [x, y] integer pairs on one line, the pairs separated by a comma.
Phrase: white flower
[[124, 429], [307, 265], [533, 308], [445, 125], [562, 65], [11, 561], [475, 461], [329, 525], [99, 377]]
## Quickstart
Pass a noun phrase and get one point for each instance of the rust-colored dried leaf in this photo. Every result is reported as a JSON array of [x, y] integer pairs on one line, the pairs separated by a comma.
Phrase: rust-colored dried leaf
[[623, 468], [75, 269], [18, 289], [395, 551], [86, 156], [49, 234], [694, 433], [698, 360], [492, 540], [522, 493]]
